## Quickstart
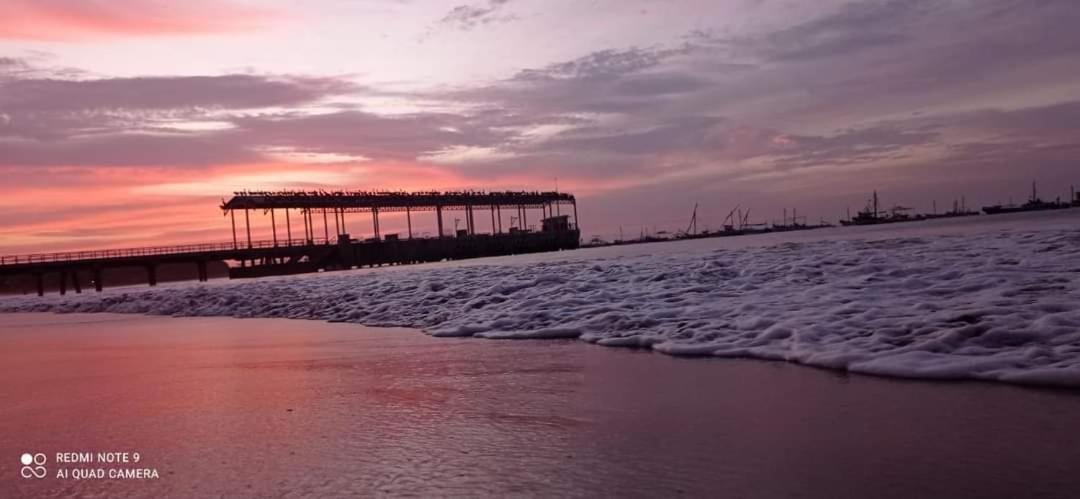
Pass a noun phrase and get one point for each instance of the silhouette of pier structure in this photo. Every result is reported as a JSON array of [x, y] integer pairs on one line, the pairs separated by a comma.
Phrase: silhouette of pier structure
[[309, 232]]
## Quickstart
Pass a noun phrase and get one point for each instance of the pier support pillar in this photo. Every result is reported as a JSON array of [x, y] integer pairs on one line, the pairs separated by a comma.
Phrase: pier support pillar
[[98, 283], [273, 226], [151, 274], [375, 221], [75, 282], [63, 283], [203, 276], [39, 279], [438, 215], [325, 226], [408, 219], [307, 234], [288, 229], [311, 228], [247, 223]]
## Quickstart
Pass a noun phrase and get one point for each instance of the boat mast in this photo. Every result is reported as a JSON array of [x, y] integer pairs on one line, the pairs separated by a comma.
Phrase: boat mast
[[692, 228]]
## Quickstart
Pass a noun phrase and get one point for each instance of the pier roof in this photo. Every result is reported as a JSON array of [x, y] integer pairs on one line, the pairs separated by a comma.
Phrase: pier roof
[[391, 200]]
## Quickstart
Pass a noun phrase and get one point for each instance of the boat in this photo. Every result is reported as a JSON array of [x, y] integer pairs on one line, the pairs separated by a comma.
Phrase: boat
[[1033, 204], [871, 215], [959, 210]]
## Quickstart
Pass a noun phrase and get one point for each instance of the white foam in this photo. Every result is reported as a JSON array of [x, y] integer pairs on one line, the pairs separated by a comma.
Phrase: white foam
[[995, 306]]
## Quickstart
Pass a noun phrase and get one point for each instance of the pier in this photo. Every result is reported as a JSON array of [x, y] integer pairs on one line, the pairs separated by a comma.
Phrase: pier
[[324, 242]]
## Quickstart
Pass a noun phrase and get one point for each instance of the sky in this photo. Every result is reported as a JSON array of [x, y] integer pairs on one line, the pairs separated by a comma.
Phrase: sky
[[126, 123]]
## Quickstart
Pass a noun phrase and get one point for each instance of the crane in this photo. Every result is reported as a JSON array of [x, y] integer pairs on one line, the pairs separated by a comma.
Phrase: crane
[[692, 228]]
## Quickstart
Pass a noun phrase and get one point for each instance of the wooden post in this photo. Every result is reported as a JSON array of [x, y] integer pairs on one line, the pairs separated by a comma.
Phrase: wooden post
[[288, 228], [273, 226], [247, 222], [307, 231], [438, 214], [325, 226], [375, 221]]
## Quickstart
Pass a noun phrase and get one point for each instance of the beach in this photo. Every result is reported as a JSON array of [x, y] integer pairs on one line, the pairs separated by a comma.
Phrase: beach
[[288, 408]]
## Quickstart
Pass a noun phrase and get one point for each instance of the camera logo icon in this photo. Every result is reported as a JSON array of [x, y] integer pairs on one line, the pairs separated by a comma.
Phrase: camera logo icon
[[33, 465]]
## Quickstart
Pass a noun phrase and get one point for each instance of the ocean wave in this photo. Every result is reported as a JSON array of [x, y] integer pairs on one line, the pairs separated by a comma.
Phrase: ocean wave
[[996, 306]]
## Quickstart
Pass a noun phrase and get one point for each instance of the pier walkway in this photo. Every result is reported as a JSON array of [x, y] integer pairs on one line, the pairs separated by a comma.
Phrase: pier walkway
[[287, 255]]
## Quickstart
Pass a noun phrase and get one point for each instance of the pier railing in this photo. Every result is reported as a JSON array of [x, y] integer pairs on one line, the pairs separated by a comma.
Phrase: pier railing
[[153, 251]]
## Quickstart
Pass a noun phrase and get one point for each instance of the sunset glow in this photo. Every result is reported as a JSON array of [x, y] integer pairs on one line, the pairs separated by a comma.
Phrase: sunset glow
[[126, 123]]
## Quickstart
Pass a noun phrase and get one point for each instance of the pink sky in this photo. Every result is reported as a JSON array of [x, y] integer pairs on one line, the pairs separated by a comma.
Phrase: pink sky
[[125, 123]]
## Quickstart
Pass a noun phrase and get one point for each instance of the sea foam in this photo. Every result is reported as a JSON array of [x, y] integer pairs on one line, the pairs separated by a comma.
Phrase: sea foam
[[995, 306]]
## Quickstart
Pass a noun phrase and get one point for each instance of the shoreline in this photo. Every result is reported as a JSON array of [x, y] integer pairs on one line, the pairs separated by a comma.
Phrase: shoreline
[[1033, 385], [995, 304]]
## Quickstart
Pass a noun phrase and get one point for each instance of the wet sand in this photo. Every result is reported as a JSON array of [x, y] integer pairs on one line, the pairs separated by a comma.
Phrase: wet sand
[[279, 408]]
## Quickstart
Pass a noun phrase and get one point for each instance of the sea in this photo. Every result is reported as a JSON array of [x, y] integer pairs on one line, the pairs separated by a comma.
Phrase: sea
[[137, 405]]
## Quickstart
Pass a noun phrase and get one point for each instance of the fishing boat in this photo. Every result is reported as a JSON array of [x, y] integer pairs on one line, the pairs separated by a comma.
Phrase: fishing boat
[[1033, 204], [872, 215]]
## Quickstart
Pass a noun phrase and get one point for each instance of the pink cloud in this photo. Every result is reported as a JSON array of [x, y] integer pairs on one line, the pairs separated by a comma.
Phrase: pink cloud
[[70, 20]]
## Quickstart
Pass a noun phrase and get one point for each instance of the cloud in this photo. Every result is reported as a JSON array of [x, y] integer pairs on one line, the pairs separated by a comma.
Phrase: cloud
[[72, 20], [855, 27], [851, 147], [707, 105], [465, 155], [127, 149], [605, 63], [235, 91], [59, 121], [467, 17], [873, 94], [684, 134], [378, 137]]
